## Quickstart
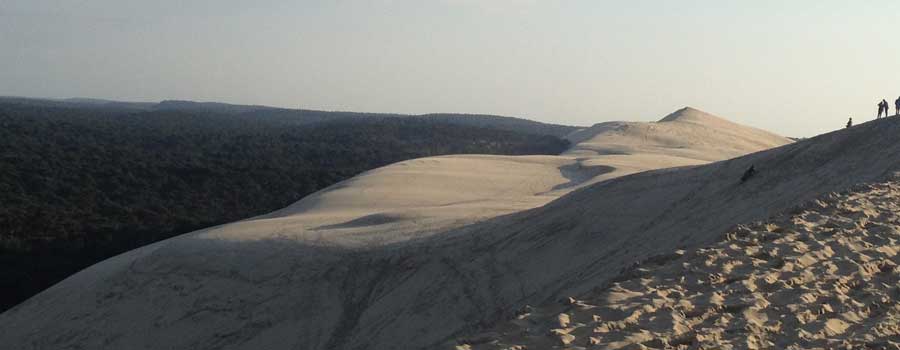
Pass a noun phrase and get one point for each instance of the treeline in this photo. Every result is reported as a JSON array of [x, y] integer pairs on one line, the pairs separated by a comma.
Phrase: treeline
[[80, 184], [290, 116]]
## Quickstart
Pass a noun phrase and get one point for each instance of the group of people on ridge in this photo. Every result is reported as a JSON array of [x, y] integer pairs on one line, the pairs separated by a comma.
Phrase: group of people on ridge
[[883, 107]]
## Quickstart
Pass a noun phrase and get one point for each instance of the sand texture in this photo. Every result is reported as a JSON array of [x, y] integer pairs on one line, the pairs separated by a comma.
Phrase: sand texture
[[823, 276]]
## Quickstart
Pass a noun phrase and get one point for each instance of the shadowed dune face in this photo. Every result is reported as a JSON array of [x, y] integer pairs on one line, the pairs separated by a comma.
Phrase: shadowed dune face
[[368, 220], [451, 248]]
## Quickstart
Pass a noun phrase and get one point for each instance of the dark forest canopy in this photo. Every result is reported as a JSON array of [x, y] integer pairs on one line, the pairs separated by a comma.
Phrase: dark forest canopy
[[82, 181], [295, 116]]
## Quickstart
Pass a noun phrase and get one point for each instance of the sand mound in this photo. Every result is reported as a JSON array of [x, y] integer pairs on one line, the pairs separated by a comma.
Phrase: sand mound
[[693, 115], [420, 272], [688, 133], [823, 276]]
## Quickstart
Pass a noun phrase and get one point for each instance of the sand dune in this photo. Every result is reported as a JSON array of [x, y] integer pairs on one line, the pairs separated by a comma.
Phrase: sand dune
[[824, 276], [340, 269], [421, 197], [414, 198], [686, 133]]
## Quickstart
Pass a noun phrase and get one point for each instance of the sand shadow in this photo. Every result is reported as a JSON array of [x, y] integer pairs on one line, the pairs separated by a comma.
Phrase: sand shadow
[[367, 220]]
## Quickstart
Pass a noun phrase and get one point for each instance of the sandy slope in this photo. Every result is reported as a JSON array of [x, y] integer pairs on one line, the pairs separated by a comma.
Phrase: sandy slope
[[431, 195], [414, 197], [824, 275], [338, 270]]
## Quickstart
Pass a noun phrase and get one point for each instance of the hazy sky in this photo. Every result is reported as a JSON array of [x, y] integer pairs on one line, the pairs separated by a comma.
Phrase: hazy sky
[[795, 67]]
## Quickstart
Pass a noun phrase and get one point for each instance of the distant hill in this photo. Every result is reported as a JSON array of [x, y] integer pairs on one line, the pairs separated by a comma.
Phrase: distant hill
[[504, 123], [79, 103], [299, 116], [214, 107], [110, 103]]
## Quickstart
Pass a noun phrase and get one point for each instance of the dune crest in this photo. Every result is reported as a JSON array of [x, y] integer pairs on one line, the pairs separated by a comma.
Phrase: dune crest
[[686, 135], [689, 114]]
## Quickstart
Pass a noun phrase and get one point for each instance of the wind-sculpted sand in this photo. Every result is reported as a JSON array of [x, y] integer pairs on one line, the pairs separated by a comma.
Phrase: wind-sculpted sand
[[422, 197], [825, 275]]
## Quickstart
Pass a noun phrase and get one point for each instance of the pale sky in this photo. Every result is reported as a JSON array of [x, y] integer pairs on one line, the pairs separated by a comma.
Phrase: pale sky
[[798, 68]]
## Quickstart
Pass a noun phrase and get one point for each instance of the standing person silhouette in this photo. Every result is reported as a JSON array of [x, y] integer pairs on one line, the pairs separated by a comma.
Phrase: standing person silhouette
[[897, 106], [882, 108]]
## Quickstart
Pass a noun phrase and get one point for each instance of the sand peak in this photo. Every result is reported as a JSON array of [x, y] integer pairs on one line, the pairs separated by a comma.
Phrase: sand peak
[[693, 115]]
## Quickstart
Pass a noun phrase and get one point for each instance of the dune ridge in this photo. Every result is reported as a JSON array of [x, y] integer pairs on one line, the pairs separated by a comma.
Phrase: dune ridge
[[824, 275], [437, 194]]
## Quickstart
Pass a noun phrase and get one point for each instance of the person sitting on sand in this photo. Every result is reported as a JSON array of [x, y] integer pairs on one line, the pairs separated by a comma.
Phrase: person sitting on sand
[[850, 122], [748, 174]]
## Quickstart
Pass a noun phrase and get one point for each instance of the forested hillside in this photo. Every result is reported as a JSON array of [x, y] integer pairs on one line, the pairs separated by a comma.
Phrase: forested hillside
[[82, 182], [297, 116]]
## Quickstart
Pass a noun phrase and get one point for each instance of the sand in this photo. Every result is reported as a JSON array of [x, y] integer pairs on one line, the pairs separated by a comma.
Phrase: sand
[[422, 197], [413, 198], [822, 276], [340, 270]]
